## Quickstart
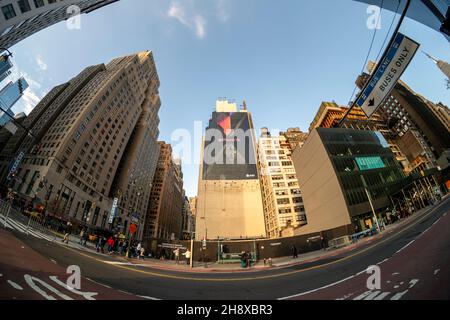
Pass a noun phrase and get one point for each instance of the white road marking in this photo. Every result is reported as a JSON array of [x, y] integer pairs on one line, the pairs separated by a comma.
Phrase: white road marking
[[30, 280], [345, 297], [395, 273], [436, 271], [53, 261], [149, 298], [383, 261], [86, 295], [372, 295], [307, 292], [396, 287], [382, 296], [413, 282], [363, 295], [399, 295], [15, 285], [406, 246]]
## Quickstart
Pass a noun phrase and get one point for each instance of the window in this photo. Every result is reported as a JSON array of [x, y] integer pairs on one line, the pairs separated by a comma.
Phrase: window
[[283, 201], [24, 5], [8, 11], [38, 3]]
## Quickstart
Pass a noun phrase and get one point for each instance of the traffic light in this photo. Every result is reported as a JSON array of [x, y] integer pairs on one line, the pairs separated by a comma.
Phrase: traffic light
[[19, 83]]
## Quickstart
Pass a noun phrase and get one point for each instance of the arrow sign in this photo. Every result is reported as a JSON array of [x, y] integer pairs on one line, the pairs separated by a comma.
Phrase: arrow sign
[[387, 74]]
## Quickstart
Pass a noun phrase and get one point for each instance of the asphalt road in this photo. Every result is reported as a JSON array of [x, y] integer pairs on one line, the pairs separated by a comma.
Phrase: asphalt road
[[414, 264]]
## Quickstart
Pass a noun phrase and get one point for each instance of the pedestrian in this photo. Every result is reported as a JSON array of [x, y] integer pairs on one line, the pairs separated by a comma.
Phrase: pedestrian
[[120, 247], [67, 233], [110, 245], [176, 252], [142, 253], [294, 252], [81, 235], [324, 243], [85, 237], [138, 249], [99, 243], [187, 254], [244, 259]]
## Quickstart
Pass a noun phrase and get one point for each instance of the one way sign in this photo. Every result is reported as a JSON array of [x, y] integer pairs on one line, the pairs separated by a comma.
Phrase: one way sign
[[387, 74]]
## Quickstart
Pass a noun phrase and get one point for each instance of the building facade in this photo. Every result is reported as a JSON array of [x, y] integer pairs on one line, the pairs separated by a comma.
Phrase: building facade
[[9, 95], [20, 19], [229, 203], [165, 205], [282, 199], [335, 168], [330, 114], [295, 137], [415, 123], [90, 140]]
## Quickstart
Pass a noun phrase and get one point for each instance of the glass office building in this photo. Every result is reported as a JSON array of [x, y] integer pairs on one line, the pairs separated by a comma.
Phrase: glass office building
[[9, 95], [335, 167]]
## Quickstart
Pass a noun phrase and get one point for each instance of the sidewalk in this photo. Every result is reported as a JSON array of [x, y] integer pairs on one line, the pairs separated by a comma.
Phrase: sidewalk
[[281, 262]]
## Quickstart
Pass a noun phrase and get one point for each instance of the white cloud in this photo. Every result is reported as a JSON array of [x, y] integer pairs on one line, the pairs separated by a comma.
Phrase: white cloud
[[195, 22], [222, 10], [30, 100], [41, 64], [200, 23]]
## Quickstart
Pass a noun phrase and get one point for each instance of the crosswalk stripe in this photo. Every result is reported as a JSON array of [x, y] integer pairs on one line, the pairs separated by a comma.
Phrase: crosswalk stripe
[[363, 295], [382, 296], [372, 295]]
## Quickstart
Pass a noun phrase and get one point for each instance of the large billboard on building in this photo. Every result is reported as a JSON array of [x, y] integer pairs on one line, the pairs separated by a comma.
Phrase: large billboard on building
[[229, 151]]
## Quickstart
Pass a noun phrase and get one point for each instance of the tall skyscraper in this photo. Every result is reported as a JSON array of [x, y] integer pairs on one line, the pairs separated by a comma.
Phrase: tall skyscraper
[[9, 95], [229, 203], [442, 65], [5, 66], [165, 204], [282, 199], [22, 18], [94, 139]]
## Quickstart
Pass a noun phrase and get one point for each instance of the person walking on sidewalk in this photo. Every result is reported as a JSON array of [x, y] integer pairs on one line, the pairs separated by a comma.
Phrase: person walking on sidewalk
[[67, 233], [187, 254], [176, 252], [141, 253], [81, 235], [294, 252], [138, 249], [110, 245]]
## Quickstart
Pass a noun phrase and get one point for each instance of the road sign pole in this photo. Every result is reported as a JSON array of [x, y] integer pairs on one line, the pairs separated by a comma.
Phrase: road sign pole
[[373, 210], [402, 17], [192, 252]]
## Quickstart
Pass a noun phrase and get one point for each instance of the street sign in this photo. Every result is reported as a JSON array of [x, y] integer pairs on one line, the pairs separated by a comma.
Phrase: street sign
[[15, 165], [133, 228], [387, 74], [135, 216], [113, 212]]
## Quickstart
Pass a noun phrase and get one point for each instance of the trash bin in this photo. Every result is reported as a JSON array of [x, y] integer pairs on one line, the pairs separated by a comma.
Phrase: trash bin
[[243, 264]]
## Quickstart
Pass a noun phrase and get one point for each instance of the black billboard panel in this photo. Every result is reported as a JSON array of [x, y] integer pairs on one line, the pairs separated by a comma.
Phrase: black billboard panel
[[229, 152]]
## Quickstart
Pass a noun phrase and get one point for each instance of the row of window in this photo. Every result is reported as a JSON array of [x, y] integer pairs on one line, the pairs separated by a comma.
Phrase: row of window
[[24, 5]]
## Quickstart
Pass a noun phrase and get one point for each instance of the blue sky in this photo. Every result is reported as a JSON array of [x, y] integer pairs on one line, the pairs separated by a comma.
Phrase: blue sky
[[283, 57]]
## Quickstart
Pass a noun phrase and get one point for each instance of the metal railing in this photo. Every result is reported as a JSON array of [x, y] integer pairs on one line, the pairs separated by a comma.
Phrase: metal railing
[[30, 223]]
